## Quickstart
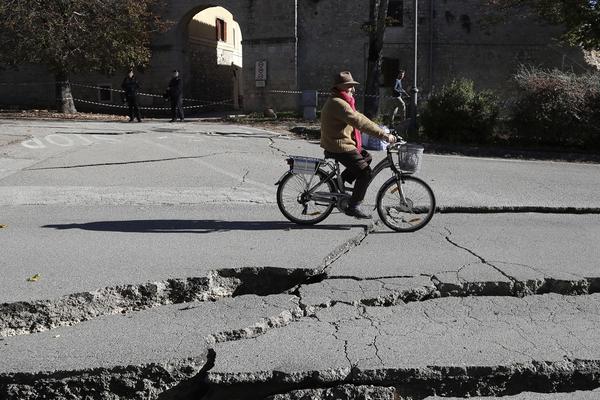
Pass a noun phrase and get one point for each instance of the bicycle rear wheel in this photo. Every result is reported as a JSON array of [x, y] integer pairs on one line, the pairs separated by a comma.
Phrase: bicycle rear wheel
[[296, 203], [406, 204]]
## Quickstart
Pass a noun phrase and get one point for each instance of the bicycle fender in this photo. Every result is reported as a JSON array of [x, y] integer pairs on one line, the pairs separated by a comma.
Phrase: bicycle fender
[[383, 164], [281, 178], [380, 192]]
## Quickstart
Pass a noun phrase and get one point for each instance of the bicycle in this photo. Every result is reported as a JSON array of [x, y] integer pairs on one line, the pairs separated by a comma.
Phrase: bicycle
[[404, 203]]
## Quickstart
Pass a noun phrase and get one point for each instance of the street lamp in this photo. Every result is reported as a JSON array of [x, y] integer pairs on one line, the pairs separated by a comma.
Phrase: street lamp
[[415, 89]]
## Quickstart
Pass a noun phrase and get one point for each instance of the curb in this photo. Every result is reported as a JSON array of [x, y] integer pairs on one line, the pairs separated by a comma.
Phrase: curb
[[516, 210], [509, 153]]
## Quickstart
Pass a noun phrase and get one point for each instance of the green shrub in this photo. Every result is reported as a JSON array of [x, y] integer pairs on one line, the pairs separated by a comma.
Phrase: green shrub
[[557, 108], [460, 114]]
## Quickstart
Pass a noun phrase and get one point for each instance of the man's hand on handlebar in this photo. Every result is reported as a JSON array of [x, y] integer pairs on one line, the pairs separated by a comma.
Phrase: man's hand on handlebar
[[394, 137]]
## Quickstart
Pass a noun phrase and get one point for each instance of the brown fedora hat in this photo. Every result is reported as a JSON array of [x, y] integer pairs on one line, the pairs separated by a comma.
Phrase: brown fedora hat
[[344, 80]]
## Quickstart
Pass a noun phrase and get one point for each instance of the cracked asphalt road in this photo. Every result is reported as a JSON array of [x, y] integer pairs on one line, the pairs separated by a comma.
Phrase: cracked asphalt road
[[166, 271]]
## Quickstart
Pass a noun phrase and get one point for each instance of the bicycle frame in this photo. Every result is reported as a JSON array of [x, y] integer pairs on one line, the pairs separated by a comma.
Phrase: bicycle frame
[[335, 177], [388, 161], [310, 190]]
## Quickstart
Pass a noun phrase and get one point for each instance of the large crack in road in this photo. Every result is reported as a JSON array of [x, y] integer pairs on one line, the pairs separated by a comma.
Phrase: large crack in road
[[486, 370], [38, 316], [315, 293]]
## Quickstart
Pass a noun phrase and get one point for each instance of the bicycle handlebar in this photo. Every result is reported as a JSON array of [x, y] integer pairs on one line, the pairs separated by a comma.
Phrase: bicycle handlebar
[[400, 139]]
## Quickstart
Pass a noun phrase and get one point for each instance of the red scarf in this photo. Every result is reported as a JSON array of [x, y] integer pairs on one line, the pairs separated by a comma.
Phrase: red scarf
[[350, 100]]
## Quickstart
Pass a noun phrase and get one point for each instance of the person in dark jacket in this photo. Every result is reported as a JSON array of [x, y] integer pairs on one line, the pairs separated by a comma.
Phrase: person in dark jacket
[[131, 86], [175, 92]]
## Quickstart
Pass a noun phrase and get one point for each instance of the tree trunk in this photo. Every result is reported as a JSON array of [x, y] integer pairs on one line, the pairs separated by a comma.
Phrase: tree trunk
[[377, 23], [64, 98]]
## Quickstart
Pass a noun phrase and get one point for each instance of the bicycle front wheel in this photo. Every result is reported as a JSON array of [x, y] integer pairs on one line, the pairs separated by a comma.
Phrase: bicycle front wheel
[[295, 198], [405, 204]]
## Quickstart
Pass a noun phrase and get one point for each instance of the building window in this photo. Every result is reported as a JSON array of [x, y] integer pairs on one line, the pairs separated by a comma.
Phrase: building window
[[221, 27], [396, 13], [104, 93]]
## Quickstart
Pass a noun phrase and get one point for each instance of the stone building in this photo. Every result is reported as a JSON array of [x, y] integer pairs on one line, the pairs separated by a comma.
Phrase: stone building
[[293, 45], [457, 40], [215, 56]]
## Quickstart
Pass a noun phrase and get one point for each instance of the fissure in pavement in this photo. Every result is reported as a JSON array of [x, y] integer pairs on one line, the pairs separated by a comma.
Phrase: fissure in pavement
[[514, 286], [37, 316], [147, 381], [417, 384], [189, 376]]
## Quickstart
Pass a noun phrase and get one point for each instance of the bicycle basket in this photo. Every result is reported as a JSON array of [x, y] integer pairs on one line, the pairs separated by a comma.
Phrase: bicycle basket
[[409, 157], [305, 165]]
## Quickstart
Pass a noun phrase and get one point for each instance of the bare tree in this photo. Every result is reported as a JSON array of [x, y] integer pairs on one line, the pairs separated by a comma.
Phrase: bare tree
[[376, 29], [70, 36]]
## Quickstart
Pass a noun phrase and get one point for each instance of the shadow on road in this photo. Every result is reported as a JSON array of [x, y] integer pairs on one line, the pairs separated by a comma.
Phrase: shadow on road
[[192, 226]]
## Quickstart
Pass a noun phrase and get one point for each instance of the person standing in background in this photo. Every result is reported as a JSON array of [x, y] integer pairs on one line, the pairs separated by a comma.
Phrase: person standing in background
[[175, 93], [131, 86], [398, 104]]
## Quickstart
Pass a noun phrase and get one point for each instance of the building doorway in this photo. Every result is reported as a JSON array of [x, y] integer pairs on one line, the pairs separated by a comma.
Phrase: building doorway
[[215, 57]]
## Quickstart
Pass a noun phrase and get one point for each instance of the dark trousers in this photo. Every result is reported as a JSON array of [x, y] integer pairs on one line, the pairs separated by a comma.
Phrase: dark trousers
[[177, 108], [357, 168], [134, 111]]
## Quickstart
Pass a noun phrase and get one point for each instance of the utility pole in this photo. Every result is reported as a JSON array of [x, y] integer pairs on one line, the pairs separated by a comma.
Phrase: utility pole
[[415, 89]]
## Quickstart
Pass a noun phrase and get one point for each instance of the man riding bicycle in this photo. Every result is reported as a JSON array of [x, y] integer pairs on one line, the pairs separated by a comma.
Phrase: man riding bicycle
[[341, 126]]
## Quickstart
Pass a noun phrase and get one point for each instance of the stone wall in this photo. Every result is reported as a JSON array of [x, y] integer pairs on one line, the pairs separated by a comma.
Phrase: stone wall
[[28, 86], [330, 39], [305, 41], [457, 40]]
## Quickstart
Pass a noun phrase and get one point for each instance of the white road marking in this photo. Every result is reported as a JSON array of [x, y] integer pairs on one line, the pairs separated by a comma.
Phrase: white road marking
[[106, 139], [34, 143], [84, 139], [63, 142]]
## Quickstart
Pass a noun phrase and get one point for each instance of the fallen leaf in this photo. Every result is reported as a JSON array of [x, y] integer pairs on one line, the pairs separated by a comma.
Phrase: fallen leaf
[[3, 226], [34, 278]]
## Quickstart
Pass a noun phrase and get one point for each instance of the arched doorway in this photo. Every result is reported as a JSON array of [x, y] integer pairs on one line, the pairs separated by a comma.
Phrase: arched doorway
[[269, 30], [214, 57]]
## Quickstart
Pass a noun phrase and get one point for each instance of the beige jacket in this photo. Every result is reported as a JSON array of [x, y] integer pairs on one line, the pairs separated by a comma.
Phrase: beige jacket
[[338, 121]]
